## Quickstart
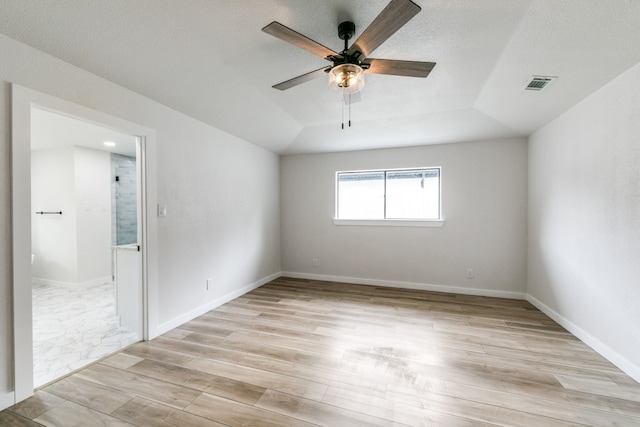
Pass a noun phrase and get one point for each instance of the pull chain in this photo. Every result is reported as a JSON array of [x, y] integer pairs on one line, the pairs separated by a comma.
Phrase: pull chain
[[349, 109], [342, 110], [346, 99]]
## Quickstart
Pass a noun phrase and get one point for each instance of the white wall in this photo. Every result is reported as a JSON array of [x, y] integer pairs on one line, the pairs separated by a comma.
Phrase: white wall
[[73, 248], [584, 220], [53, 240], [93, 214], [222, 199], [221, 195], [484, 195]]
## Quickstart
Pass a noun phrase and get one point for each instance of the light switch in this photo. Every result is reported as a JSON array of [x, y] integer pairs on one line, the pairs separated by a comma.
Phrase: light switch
[[162, 210]]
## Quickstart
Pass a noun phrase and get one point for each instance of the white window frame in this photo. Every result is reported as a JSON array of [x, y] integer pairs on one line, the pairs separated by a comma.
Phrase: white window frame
[[439, 222]]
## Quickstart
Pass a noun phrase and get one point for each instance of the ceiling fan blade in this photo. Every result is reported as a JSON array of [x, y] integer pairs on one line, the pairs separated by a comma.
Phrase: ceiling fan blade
[[399, 68], [300, 79], [391, 19], [282, 32]]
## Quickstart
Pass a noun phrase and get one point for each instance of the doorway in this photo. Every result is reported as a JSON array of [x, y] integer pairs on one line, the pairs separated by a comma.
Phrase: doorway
[[24, 103], [84, 199]]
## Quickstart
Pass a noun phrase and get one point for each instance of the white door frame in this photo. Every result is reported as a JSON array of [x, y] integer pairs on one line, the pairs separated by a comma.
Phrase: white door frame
[[23, 99]]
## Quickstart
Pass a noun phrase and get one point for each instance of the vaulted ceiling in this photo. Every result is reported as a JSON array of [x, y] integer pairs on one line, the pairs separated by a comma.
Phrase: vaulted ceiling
[[209, 59]]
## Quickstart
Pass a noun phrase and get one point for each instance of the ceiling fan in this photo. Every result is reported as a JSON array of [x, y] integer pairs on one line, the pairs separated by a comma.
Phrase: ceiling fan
[[348, 67]]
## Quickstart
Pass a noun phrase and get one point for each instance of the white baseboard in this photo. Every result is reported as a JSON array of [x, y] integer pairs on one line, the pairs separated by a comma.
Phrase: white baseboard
[[174, 323], [407, 285], [6, 400], [605, 351], [88, 284], [625, 365]]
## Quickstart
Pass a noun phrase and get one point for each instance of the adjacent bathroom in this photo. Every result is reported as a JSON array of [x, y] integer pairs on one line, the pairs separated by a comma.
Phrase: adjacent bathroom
[[87, 296]]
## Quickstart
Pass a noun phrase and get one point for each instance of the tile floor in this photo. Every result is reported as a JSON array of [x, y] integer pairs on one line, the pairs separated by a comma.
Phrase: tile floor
[[73, 328]]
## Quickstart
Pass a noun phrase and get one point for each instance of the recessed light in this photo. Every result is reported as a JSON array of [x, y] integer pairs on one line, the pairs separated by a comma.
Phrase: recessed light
[[110, 144]]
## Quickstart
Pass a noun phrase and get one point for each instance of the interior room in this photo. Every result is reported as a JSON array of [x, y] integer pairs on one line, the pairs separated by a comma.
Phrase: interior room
[[513, 301]]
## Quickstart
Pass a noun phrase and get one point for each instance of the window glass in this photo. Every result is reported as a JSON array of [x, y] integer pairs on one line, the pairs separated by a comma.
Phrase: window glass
[[413, 194], [361, 195], [391, 194]]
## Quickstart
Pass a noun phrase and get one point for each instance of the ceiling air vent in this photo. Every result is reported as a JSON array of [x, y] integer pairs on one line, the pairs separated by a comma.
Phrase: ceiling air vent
[[539, 83]]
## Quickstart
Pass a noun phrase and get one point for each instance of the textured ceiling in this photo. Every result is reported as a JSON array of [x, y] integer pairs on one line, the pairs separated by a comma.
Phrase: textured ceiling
[[210, 60], [50, 130]]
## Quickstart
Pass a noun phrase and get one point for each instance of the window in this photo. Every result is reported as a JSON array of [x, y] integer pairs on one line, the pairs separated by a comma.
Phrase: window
[[398, 194]]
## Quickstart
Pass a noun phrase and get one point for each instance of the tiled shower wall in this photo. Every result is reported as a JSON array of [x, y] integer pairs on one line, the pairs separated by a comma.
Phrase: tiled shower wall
[[124, 218]]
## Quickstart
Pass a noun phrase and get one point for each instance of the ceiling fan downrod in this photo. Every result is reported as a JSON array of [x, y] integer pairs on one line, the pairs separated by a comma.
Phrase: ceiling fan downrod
[[346, 31]]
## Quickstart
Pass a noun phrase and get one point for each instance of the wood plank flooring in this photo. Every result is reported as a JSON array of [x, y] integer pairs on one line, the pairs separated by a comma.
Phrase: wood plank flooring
[[308, 353]]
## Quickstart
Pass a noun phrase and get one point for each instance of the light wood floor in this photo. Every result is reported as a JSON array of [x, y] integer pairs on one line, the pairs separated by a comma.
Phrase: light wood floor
[[308, 353]]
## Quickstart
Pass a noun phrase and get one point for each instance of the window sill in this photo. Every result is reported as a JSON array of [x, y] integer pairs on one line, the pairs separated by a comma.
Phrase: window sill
[[390, 222]]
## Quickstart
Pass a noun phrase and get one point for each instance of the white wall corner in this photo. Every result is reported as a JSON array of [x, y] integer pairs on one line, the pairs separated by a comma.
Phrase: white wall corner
[[605, 351]]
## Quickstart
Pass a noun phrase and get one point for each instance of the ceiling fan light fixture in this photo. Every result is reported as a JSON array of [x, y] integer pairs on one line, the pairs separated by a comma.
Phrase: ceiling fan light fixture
[[347, 78]]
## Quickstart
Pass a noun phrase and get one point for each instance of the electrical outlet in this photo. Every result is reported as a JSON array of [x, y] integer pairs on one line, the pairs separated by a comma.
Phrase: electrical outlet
[[470, 273], [209, 284], [315, 262]]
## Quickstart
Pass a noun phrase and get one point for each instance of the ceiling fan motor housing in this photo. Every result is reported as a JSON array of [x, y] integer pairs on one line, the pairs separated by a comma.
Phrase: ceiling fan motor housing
[[346, 30]]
